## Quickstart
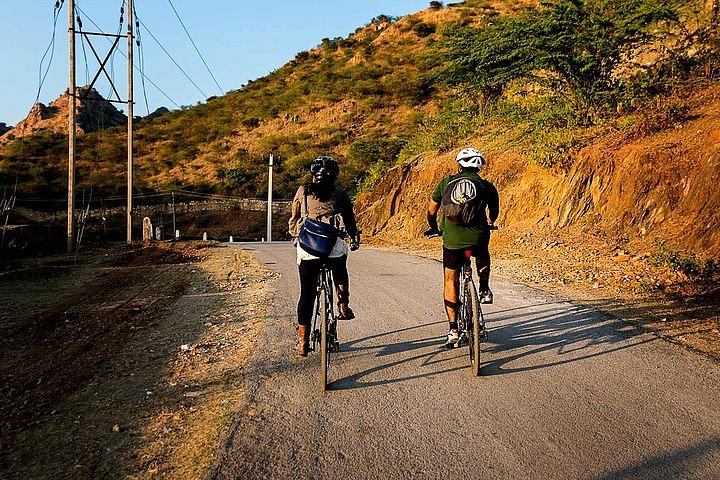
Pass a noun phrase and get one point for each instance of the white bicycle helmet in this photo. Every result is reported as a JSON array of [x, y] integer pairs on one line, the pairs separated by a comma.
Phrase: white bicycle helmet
[[471, 158]]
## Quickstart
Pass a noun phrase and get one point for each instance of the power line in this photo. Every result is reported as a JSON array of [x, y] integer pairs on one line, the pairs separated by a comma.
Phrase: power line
[[171, 58], [195, 46], [51, 48], [82, 44], [141, 51], [125, 56]]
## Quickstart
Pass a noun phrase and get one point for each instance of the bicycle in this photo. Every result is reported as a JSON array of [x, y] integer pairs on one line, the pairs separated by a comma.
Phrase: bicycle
[[470, 318], [324, 327]]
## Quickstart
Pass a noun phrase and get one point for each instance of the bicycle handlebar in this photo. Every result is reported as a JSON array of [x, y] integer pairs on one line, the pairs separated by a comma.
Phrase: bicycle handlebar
[[438, 233]]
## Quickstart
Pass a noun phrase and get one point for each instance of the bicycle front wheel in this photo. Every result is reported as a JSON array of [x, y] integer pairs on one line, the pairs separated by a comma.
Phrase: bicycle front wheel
[[324, 338], [473, 326]]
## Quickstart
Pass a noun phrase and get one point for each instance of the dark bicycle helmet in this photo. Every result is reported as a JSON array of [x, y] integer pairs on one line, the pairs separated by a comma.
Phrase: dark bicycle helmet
[[325, 165]]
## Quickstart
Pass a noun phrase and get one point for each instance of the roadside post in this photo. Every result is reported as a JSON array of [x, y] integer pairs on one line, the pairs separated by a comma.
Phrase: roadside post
[[269, 201]]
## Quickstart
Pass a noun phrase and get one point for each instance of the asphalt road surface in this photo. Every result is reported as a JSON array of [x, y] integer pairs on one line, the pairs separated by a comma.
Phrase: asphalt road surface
[[565, 393]]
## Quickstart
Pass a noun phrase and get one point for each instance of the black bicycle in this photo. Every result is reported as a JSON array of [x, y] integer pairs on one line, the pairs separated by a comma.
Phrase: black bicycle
[[470, 318], [324, 327]]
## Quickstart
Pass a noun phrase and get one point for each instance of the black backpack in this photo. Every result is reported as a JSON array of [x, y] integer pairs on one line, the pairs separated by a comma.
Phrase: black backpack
[[463, 202]]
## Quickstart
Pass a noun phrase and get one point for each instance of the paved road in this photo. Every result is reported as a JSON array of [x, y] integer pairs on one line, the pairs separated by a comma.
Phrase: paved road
[[565, 393]]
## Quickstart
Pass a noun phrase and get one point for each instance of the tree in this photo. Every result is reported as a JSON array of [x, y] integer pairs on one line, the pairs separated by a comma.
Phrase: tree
[[436, 5], [574, 46]]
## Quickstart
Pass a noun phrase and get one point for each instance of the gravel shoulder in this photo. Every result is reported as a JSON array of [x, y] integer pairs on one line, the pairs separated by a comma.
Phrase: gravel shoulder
[[129, 365]]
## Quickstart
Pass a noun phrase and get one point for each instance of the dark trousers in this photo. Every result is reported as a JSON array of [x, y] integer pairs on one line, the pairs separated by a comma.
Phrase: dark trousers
[[309, 272], [455, 259]]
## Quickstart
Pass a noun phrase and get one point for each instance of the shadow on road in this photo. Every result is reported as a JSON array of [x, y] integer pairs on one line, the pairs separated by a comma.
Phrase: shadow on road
[[529, 339], [682, 463], [521, 339]]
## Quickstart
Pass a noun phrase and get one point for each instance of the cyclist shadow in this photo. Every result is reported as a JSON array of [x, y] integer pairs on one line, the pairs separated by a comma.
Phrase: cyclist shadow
[[429, 351], [533, 339]]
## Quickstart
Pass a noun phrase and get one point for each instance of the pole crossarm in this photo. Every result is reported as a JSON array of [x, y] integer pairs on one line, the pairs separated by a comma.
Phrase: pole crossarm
[[103, 63]]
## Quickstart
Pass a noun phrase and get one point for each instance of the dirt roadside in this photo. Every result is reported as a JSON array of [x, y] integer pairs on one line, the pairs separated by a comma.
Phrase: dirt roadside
[[128, 365]]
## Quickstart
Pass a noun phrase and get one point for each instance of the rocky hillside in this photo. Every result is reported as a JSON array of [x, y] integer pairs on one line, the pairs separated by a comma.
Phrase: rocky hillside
[[94, 113], [630, 191], [602, 121]]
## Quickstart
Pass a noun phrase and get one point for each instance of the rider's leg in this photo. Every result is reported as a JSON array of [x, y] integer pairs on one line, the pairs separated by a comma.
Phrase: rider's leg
[[450, 294], [309, 270], [483, 261], [453, 261], [342, 285], [482, 258]]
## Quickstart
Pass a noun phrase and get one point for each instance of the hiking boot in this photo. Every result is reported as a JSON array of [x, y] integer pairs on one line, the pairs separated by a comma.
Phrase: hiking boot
[[303, 343], [452, 338], [486, 296]]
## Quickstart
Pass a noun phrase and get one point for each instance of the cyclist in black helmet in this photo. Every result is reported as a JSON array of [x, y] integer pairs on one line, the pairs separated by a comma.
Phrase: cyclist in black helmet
[[464, 198], [326, 202]]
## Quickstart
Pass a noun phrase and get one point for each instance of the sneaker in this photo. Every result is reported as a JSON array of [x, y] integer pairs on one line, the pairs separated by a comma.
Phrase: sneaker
[[486, 296], [452, 338]]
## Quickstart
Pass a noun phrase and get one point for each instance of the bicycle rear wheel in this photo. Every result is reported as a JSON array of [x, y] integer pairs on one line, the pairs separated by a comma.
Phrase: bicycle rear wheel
[[324, 338], [474, 327]]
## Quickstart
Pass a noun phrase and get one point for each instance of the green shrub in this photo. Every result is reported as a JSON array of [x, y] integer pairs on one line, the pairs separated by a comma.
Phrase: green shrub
[[573, 46], [666, 256]]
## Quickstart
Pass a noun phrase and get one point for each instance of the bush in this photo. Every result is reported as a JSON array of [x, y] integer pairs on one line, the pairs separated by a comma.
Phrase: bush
[[671, 258], [573, 46]]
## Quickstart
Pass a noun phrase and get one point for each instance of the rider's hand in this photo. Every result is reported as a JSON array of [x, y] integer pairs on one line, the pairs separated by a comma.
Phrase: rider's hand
[[432, 233]]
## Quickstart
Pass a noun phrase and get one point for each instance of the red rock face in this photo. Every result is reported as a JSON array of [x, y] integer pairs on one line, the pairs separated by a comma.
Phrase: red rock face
[[661, 186]]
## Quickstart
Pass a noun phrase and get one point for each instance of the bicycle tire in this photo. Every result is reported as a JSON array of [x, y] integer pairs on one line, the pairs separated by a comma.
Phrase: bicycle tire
[[473, 316], [324, 347]]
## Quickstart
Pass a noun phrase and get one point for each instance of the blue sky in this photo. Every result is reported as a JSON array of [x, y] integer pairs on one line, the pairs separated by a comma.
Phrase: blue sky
[[240, 41]]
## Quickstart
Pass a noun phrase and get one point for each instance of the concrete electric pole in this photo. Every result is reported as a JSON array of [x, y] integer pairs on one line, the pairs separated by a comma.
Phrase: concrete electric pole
[[71, 129], [74, 95], [269, 201], [130, 121]]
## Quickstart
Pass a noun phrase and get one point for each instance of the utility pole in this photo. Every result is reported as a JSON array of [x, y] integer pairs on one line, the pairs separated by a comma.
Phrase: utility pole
[[130, 121], [75, 95], [269, 201], [71, 129], [173, 208]]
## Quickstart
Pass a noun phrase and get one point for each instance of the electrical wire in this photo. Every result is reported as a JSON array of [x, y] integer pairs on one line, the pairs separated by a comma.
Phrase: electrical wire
[[195, 46], [125, 56], [82, 44], [141, 51], [51, 48], [171, 58]]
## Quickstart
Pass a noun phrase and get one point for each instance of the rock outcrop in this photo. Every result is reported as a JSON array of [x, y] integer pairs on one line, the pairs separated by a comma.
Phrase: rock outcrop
[[94, 113]]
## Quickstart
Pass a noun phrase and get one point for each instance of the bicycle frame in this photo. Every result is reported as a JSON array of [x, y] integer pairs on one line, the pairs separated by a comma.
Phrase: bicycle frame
[[465, 278], [324, 327], [471, 322]]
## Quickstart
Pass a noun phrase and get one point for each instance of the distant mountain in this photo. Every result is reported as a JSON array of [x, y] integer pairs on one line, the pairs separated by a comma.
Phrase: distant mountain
[[94, 113], [3, 128]]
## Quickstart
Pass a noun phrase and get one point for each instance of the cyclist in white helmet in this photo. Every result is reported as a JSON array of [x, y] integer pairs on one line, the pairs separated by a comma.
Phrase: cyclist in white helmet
[[470, 208]]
